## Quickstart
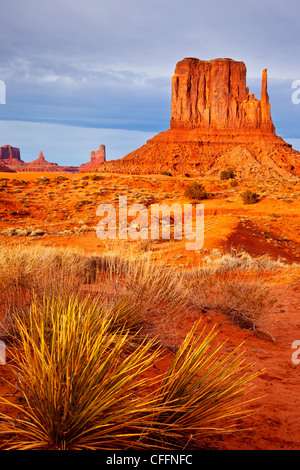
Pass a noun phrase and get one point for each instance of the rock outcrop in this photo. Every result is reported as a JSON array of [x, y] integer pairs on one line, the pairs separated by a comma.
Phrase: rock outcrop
[[8, 153], [215, 122], [5, 169], [213, 95], [41, 164], [10, 159], [98, 157]]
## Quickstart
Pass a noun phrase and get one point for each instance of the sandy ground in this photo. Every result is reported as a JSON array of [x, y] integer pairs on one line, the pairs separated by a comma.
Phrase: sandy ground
[[271, 226]]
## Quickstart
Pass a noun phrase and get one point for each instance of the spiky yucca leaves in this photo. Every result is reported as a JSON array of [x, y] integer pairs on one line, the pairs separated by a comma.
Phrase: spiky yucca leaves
[[78, 389], [200, 393], [83, 388], [121, 316]]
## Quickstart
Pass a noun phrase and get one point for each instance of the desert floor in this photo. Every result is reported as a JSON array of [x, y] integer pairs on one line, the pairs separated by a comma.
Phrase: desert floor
[[60, 212]]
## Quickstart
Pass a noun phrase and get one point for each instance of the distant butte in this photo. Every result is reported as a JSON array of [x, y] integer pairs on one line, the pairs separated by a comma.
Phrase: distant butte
[[10, 161], [98, 157], [215, 123]]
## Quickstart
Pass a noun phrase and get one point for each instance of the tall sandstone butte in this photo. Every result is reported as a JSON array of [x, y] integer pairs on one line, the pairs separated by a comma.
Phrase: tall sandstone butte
[[213, 95], [215, 122]]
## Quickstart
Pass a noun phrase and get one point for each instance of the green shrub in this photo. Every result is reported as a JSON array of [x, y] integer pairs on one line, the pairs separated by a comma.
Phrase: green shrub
[[195, 191], [249, 197]]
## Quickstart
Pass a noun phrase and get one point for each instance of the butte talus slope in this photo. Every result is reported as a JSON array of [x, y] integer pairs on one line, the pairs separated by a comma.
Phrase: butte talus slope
[[215, 123]]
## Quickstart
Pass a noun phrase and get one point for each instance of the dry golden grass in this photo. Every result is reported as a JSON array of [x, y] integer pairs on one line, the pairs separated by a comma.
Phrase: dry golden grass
[[81, 387], [84, 336]]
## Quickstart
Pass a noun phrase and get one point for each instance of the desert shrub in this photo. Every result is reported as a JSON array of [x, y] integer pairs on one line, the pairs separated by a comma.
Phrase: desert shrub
[[97, 177], [227, 174], [26, 273], [233, 183], [60, 178], [82, 203], [76, 385], [194, 383], [151, 287], [18, 182], [249, 197], [242, 261], [166, 173], [195, 191], [42, 179], [242, 298]]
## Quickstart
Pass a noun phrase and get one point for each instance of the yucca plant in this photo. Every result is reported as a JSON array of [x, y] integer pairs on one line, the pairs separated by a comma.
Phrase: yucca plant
[[78, 389], [200, 393], [82, 387]]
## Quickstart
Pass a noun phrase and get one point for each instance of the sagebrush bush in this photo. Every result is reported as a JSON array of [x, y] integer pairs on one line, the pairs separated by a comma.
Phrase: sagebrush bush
[[249, 197], [242, 298], [195, 191], [227, 174]]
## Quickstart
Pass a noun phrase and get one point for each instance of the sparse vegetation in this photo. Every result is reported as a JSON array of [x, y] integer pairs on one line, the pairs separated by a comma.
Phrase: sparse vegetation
[[81, 330], [249, 197], [243, 298], [140, 303], [195, 191], [227, 174], [80, 385]]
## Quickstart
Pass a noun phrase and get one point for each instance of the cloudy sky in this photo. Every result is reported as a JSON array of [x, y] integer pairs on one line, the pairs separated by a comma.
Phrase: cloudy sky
[[83, 73]]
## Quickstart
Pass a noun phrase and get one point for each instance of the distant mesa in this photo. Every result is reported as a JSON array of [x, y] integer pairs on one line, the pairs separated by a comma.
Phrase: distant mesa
[[215, 122], [10, 160], [97, 159], [9, 153]]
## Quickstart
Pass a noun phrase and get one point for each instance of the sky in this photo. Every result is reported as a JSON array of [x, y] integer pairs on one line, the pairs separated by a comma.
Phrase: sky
[[78, 74]]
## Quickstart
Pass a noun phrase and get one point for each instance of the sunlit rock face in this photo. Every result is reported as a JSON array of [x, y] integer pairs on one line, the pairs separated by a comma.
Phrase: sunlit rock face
[[213, 95]]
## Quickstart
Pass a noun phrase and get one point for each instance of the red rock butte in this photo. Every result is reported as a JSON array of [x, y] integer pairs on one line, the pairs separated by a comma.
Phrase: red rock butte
[[98, 157], [10, 161], [215, 123]]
